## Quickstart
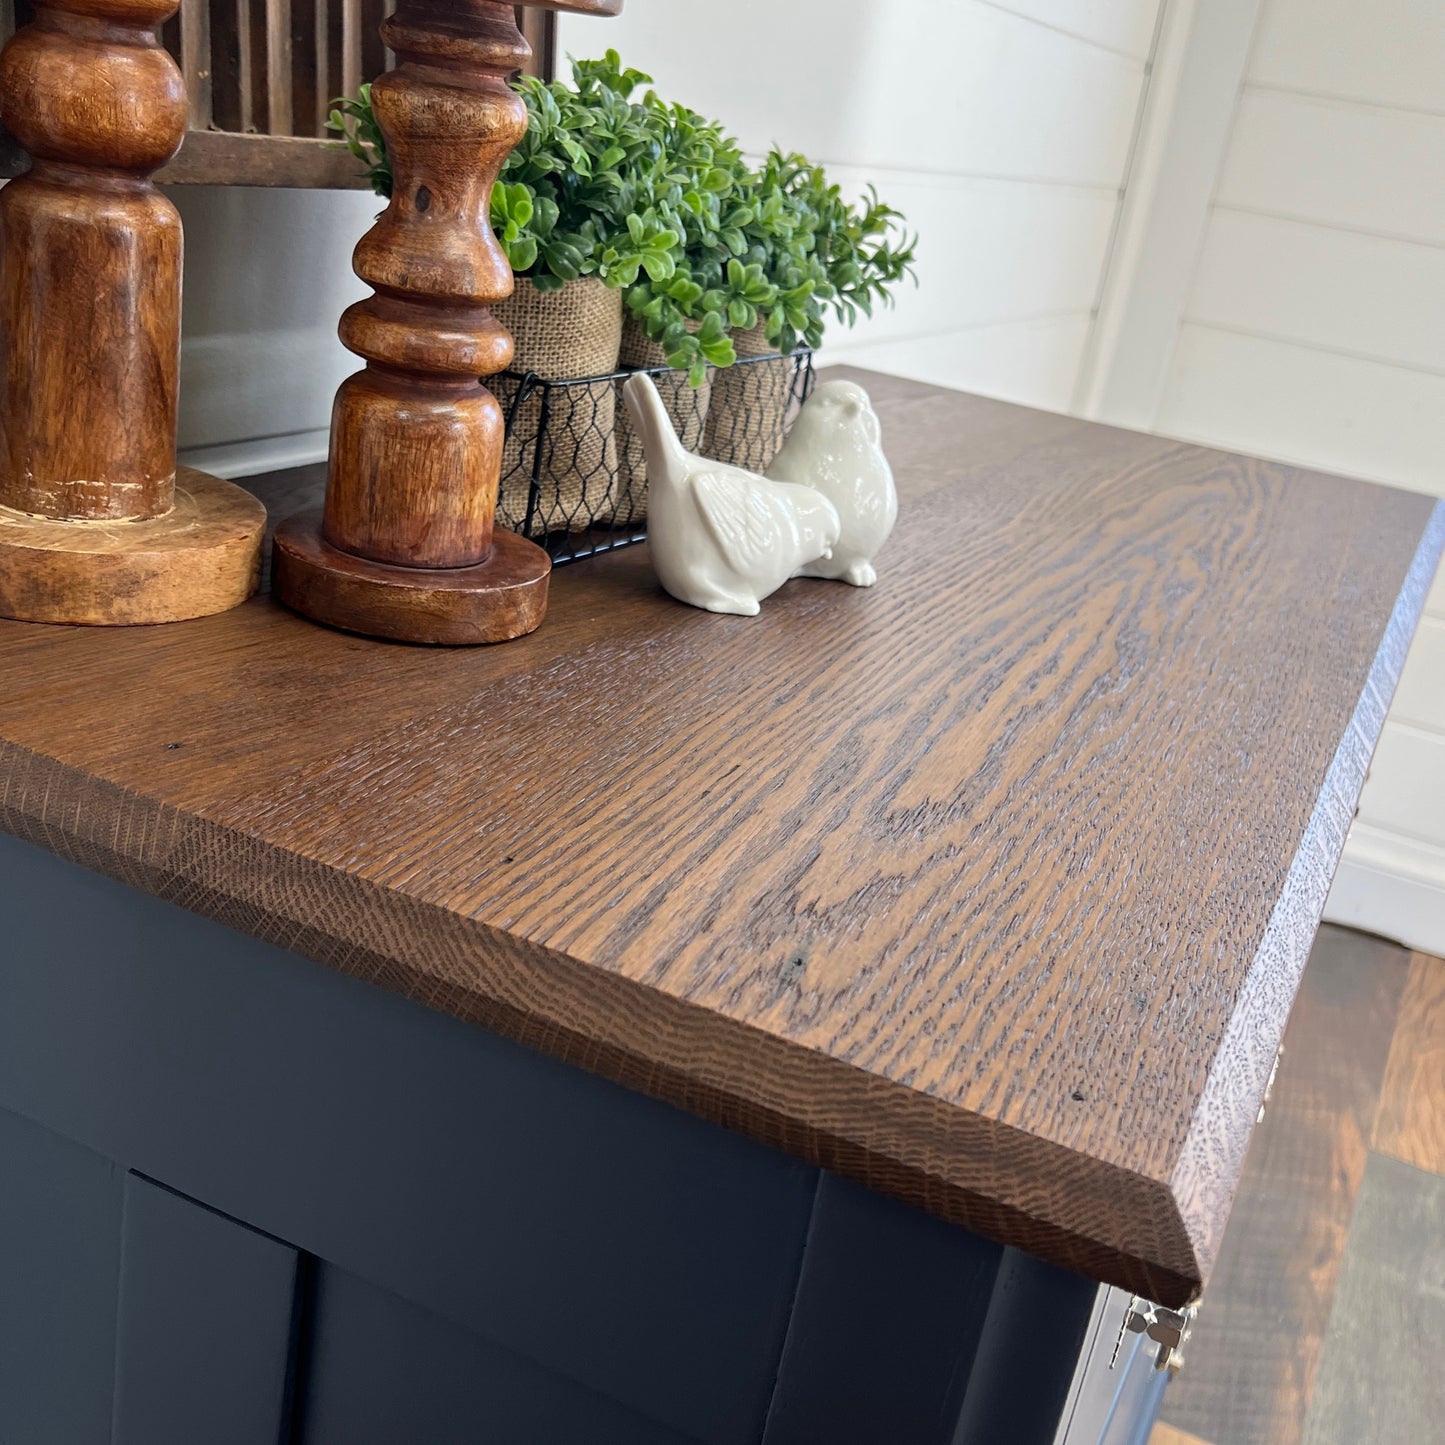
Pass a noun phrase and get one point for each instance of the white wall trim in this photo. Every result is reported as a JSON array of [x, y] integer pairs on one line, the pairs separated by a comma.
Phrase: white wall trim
[[1392, 886], [1199, 65], [259, 454]]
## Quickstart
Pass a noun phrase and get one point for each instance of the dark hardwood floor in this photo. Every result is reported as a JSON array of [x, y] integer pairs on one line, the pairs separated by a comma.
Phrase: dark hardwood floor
[[1319, 1323]]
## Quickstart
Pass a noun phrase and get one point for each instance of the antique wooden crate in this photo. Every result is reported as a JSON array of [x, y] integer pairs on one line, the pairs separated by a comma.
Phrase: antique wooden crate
[[260, 77]]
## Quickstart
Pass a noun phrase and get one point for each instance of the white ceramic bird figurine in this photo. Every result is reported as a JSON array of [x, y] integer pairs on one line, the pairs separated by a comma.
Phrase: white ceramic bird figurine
[[722, 538], [834, 448]]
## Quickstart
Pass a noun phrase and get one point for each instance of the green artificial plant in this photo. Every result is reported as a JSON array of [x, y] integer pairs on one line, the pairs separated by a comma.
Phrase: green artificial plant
[[656, 199], [820, 252], [568, 203], [697, 186]]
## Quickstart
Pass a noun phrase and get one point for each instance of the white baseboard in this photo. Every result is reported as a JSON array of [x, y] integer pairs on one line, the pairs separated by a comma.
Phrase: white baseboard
[[261, 454], [1393, 886]]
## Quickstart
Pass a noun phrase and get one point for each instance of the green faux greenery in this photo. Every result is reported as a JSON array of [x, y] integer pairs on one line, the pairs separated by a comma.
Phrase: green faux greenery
[[695, 185], [656, 199], [355, 119], [568, 203], [822, 252]]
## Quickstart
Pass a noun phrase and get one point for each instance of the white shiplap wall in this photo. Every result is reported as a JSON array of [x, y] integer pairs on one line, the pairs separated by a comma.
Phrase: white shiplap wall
[[1001, 128], [267, 276], [1314, 331]]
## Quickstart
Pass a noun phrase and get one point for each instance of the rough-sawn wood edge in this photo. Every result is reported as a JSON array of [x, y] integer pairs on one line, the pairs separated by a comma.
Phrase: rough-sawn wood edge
[[1207, 1171], [1157, 1237], [805, 1103]]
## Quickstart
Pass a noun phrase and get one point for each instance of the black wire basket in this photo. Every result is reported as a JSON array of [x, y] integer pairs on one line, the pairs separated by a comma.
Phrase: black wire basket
[[574, 478]]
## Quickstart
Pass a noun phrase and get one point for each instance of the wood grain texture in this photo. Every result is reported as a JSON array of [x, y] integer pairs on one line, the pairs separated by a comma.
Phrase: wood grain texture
[[989, 887], [93, 526], [416, 439], [273, 66], [90, 265], [578, 7], [211, 158], [1411, 1121], [1380, 1379], [201, 556], [1167, 1435], [502, 598], [1255, 1353]]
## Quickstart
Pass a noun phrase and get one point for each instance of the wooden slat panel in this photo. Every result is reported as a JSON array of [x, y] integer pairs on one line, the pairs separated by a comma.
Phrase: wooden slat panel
[[331, 45], [195, 59], [540, 29], [170, 34], [253, 63], [375, 57], [309, 101], [1380, 1380], [1256, 1348], [279, 119], [262, 69], [211, 158], [229, 57], [1411, 1125], [350, 46]]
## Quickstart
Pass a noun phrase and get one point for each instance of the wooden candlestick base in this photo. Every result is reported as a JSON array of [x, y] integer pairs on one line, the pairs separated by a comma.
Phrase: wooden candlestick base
[[97, 524], [201, 556], [405, 547], [503, 597]]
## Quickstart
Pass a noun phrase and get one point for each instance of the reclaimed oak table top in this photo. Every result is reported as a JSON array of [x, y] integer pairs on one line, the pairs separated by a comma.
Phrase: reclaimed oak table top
[[990, 887]]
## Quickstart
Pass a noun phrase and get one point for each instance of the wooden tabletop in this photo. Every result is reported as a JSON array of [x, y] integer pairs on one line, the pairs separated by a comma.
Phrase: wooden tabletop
[[580, 7], [990, 887]]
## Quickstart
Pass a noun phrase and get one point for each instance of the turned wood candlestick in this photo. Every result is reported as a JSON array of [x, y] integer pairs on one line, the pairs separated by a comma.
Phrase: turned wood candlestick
[[95, 524], [405, 545]]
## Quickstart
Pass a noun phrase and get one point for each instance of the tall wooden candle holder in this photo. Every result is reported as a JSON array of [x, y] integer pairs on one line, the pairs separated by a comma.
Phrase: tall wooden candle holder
[[405, 546], [96, 524]]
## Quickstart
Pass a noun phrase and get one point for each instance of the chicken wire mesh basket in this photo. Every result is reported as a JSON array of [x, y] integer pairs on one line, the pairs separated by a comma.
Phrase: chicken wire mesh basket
[[574, 478]]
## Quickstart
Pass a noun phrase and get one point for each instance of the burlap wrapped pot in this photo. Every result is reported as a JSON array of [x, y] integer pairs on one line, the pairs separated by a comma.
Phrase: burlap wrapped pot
[[561, 335], [686, 405], [749, 407]]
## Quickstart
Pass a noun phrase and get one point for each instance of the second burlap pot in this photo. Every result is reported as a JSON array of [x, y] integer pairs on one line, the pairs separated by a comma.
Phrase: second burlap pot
[[561, 336], [749, 405], [686, 405]]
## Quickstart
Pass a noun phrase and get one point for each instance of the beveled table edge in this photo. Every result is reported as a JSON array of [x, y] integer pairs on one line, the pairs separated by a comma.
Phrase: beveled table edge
[[1160, 1237]]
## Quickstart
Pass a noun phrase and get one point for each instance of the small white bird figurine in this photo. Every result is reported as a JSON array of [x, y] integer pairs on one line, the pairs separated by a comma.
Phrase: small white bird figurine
[[722, 538], [834, 448]]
